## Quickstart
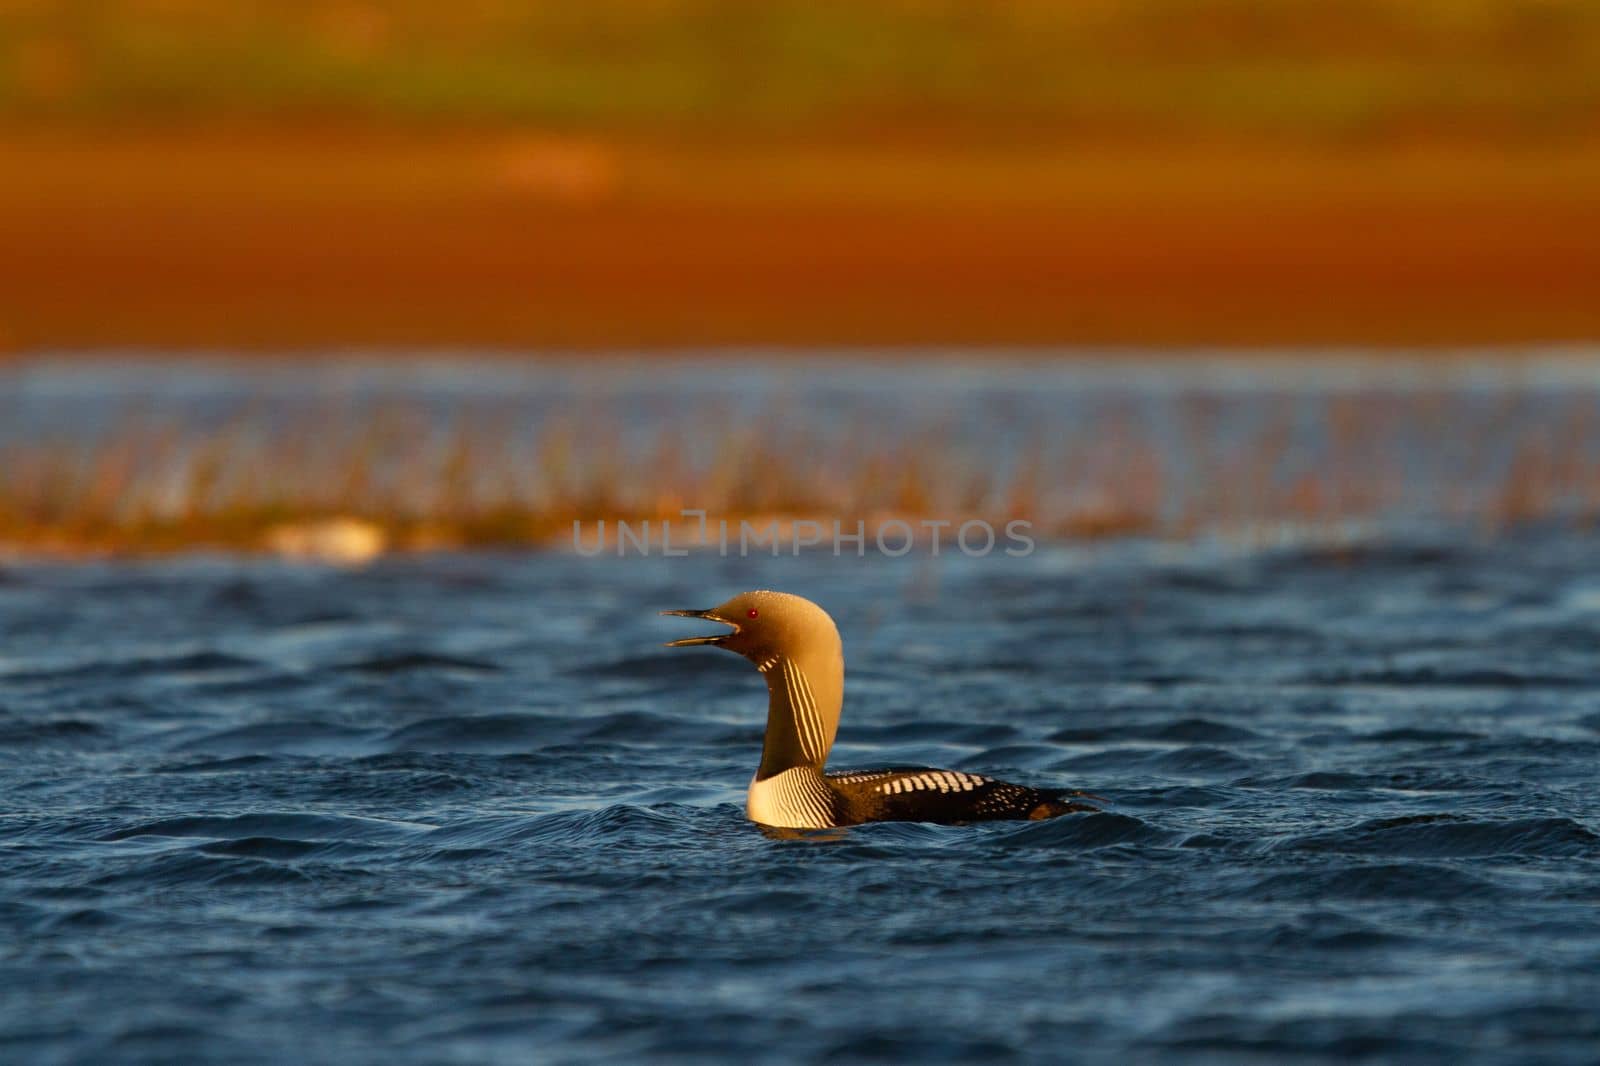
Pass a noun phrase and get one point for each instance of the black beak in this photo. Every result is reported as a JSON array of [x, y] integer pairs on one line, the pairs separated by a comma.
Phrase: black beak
[[689, 642]]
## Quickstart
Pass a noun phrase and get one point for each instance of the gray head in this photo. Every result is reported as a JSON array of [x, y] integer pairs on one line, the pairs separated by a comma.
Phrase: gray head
[[796, 647]]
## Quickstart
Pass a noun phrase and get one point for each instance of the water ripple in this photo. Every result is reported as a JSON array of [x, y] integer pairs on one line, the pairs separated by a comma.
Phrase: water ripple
[[464, 809]]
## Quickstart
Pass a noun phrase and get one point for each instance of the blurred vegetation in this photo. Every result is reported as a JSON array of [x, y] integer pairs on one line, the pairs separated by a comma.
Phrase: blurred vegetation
[[1023, 68], [406, 472]]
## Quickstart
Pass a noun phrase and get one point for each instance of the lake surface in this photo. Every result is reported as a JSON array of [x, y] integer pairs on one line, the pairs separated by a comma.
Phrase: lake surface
[[463, 808]]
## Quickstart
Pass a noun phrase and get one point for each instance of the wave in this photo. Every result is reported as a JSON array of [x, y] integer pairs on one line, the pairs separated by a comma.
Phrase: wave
[[1382, 881], [645, 726], [525, 732], [1185, 730], [229, 765], [1456, 677], [701, 669], [74, 732], [662, 823], [1178, 797], [263, 847], [1456, 836], [1401, 779], [1199, 760], [1083, 832], [1009, 755], [1417, 735], [935, 730], [285, 826], [192, 867], [481, 733], [122, 669], [289, 737], [407, 662]]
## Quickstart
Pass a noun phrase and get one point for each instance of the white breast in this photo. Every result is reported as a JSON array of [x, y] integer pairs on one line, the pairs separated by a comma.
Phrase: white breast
[[794, 799]]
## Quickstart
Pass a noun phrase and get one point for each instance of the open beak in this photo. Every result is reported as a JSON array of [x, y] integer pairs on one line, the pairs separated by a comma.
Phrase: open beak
[[689, 642]]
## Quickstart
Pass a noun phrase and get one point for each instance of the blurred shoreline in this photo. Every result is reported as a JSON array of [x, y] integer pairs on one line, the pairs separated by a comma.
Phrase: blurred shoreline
[[342, 461], [257, 239]]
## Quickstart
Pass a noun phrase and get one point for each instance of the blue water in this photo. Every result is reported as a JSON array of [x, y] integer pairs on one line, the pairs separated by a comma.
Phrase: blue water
[[463, 808]]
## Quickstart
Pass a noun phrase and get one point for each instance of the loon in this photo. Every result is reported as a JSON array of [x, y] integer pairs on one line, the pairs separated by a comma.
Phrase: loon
[[796, 647]]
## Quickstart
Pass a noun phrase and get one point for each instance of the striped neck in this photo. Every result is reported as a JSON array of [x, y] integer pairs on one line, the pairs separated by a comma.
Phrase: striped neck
[[803, 704]]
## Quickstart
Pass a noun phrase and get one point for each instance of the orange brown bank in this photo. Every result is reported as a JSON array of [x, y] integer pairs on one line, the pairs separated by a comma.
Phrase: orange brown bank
[[284, 240]]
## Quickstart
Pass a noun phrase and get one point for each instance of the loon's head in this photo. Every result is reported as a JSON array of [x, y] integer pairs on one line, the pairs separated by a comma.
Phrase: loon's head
[[766, 624], [796, 646]]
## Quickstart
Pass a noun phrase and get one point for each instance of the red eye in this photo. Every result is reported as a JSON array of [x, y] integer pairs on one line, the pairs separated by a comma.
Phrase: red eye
[[753, 612]]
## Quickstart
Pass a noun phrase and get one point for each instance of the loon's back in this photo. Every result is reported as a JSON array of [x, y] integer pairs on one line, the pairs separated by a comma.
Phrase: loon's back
[[804, 798]]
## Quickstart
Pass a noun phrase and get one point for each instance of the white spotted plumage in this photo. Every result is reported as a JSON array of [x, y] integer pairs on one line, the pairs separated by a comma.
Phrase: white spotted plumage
[[857, 777], [927, 781]]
